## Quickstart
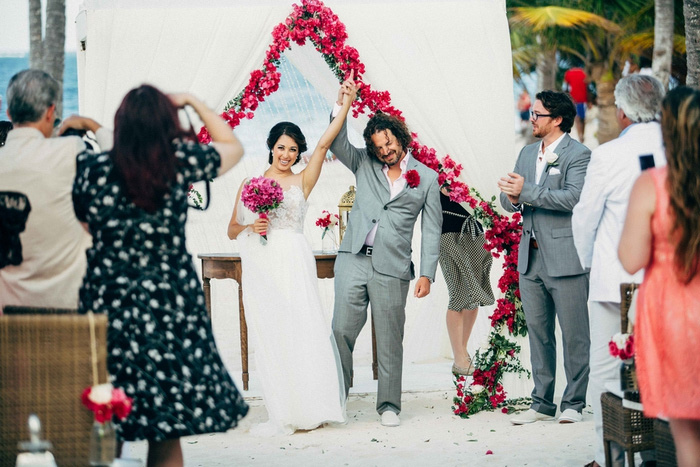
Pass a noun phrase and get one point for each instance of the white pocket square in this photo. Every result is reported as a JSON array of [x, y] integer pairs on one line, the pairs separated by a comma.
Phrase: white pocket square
[[554, 171]]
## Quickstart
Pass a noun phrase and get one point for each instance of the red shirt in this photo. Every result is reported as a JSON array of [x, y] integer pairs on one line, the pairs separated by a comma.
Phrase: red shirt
[[576, 78]]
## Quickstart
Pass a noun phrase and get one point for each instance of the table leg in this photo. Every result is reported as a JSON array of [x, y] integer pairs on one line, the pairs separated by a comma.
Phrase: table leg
[[206, 286], [244, 338]]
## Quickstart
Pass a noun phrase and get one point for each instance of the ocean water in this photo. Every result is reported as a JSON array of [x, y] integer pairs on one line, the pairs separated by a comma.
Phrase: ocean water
[[13, 64]]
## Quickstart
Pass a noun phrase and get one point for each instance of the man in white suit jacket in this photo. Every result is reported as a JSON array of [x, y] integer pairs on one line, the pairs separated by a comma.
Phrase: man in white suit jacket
[[597, 226]]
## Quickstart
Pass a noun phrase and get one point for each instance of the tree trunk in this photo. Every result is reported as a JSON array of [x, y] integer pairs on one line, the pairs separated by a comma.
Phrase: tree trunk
[[691, 12], [55, 44], [47, 51], [36, 44], [663, 41], [608, 129], [546, 70]]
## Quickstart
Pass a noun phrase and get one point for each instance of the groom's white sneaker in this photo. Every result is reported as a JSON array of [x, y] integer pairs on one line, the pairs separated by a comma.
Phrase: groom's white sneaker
[[530, 416], [390, 418]]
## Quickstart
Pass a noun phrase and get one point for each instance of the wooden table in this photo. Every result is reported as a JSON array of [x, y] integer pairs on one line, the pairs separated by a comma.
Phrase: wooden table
[[228, 266]]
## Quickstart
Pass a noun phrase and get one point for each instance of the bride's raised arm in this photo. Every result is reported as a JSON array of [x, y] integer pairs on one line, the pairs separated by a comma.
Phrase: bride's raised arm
[[309, 176]]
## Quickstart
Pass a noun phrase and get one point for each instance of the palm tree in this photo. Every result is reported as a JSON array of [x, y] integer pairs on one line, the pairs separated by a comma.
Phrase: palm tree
[[46, 51], [549, 24], [663, 40], [692, 40]]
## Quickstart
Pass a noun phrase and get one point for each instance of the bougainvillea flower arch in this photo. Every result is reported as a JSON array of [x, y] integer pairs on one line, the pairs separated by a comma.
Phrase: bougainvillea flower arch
[[315, 22]]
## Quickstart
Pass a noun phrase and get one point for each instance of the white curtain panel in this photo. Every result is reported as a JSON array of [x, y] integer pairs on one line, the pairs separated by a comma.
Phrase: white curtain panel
[[447, 65]]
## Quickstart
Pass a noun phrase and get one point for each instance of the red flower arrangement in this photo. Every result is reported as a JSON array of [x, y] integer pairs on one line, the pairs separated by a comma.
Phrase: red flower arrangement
[[314, 21], [261, 195], [327, 221], [412, 178], [622, 346], [107, 401]]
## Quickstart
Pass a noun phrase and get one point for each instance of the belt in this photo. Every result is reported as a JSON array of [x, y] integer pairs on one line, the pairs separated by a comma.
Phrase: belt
[[366, 250], [533, 244]]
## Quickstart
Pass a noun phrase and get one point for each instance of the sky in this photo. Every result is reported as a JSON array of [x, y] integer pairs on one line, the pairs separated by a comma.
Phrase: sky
[[14, 25]]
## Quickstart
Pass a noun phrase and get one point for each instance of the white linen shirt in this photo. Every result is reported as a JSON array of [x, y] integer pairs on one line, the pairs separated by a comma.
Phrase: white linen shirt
[[600, 213], [53, 242]]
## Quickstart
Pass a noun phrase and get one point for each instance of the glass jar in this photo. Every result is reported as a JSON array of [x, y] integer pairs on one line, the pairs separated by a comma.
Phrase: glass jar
[[103, 444], [329, 244]]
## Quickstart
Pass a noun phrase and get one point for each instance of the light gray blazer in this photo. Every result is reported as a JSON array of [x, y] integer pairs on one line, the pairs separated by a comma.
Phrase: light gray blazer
[[547, 207], [392, 245]]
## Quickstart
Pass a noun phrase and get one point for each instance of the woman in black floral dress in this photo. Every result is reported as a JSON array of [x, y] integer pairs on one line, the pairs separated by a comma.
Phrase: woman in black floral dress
[[133, 200]]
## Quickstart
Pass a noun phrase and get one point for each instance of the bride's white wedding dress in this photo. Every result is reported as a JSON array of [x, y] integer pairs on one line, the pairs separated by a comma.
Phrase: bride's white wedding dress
[[296, 357]]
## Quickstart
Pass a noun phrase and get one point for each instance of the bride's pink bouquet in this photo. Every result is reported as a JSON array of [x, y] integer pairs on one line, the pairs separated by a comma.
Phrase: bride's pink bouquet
[[261, 195]]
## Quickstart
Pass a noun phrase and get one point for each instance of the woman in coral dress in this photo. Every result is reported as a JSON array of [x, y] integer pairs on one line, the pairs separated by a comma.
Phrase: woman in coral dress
[[662, 234]]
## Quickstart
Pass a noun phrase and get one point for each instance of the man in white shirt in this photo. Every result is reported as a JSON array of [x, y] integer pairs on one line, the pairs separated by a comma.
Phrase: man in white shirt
[[597, 226], [41, 168]]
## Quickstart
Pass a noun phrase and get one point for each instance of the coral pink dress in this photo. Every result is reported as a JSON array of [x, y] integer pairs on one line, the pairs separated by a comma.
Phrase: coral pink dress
[[667, 328]]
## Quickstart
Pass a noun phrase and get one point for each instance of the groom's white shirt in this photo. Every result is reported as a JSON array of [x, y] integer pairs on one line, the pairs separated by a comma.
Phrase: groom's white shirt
[[600, 213]]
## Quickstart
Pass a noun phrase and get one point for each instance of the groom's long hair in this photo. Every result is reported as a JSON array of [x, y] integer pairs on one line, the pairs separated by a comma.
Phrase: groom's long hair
[[381, 122]]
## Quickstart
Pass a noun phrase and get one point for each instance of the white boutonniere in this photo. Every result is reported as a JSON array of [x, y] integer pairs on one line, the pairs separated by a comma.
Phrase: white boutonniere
[[551, 158]]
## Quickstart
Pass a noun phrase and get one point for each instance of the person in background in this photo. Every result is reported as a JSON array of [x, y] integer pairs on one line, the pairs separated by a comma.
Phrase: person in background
[[466, 267], [662, 235], [597, 223], [523, 105], [576, 82], [545, 186], [40, 169], [133, 201]]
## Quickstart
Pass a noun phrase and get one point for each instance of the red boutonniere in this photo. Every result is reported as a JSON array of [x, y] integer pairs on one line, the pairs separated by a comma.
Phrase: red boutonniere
[[412, 178]]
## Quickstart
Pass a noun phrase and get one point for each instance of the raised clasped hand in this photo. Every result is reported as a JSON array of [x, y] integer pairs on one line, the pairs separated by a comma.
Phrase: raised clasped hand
[[512, 186]]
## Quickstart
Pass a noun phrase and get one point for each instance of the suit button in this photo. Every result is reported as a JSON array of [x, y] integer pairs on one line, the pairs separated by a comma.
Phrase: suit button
[[527, 232], [374, 221], [386, 207]]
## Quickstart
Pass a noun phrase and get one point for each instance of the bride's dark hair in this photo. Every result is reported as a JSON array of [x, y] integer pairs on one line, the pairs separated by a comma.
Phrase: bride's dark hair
[[291, 130]]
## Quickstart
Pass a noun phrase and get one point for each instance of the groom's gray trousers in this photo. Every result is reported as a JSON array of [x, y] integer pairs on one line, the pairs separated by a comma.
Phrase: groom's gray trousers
[[356, 279]]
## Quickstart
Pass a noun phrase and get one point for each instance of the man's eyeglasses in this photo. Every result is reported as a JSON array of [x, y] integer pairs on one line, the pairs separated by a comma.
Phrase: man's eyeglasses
[[535, 115]]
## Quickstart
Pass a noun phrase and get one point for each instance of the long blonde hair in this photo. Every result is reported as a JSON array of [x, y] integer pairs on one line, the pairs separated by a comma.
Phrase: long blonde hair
[[681, 132]]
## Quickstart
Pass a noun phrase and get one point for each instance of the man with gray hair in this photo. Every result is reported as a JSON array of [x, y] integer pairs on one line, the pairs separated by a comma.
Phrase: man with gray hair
[[597, 224], [44, 262]]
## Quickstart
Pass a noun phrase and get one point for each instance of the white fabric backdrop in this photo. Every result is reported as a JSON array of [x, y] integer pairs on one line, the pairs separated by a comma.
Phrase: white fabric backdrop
[[447, 65]]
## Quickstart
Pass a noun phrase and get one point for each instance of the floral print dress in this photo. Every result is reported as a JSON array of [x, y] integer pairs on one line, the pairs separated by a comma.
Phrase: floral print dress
[[161, 349]]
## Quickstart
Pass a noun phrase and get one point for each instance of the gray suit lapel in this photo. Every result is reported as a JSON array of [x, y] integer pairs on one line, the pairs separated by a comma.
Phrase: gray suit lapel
[[560, 150], [381, 178]]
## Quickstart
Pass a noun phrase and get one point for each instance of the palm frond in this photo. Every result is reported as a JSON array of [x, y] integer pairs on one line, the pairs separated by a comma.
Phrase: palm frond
[[542, 18]]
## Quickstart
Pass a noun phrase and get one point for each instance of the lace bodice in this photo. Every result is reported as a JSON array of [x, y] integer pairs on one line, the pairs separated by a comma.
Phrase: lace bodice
[[291, 212]]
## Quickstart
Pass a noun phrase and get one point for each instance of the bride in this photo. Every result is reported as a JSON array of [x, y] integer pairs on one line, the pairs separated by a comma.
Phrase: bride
[[296, 355]]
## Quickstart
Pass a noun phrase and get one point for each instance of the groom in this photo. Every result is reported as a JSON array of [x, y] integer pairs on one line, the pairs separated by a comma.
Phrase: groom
[[374, 260]]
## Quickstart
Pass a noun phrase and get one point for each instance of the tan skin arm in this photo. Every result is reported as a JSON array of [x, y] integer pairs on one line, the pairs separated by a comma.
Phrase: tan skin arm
[[309, 176], [634, 250], [223, 139]]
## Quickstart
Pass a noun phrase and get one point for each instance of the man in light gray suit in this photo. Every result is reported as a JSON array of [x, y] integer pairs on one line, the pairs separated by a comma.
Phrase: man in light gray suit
[[545, 185], [374, 264]]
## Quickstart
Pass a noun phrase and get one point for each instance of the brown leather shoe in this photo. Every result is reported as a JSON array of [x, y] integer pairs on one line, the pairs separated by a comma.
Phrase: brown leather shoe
[[592, 464]]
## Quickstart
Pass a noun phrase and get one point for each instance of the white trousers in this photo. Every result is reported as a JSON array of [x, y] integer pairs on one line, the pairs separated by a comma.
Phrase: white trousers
[[604, 319]]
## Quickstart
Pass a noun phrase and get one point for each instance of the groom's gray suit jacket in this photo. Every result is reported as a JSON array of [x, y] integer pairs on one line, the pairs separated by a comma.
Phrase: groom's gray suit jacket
[[392, 245], [547, 206]]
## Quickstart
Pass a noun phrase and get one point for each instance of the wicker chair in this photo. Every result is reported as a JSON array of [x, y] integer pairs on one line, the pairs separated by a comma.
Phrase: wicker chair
[[627, 427], [45, 364], [665, 447]]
